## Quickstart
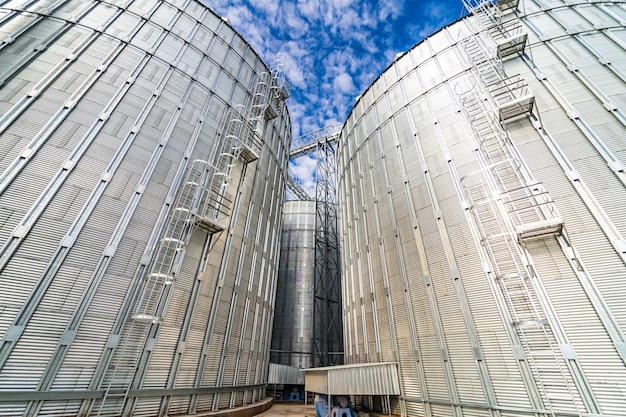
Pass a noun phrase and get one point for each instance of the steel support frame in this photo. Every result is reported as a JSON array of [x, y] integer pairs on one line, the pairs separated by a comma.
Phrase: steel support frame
[[327, 304]]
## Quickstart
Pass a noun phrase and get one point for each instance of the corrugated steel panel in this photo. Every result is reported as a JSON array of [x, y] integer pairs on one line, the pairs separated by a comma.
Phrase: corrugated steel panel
[[60, 408], [285, 374], [361, 379], [179, 405], [495, 348], [593, 247], [98, 314], [147, 406]]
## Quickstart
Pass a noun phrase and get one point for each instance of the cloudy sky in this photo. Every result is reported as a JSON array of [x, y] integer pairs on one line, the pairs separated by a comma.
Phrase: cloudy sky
[[334, 49]]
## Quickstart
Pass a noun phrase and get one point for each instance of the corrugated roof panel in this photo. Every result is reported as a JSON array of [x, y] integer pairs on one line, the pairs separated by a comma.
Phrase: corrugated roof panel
[[362, 379], [284, 374]]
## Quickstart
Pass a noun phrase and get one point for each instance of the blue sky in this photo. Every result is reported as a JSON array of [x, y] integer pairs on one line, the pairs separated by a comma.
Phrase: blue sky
[[334, 49]]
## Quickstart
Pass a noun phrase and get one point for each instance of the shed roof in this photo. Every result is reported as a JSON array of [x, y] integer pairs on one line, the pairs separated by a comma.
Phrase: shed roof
[[284, 374], [356, 379]]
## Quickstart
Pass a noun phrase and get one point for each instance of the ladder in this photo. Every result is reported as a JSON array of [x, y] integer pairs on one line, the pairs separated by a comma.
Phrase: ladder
[[486, 12], [509, 94], [508, 35], [518, 294], [201, 202], [508, 207], [526, 203]]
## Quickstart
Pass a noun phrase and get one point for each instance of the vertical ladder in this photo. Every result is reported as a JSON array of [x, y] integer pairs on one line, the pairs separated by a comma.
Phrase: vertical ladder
[[263, 107], [509, 94], [509, 208], [487, 12], [153, 296], [508, 35], [527, 204], [518, 295], [200, 203]]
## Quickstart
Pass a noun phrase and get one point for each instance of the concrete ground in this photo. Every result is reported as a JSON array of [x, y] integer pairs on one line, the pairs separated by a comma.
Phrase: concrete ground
[[288, 410]]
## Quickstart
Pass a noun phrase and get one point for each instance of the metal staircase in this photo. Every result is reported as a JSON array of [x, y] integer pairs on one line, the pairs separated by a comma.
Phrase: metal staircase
[[201, 203]]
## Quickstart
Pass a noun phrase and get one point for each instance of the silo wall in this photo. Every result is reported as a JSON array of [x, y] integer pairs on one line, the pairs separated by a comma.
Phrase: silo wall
[[105, 108], [483, 247], [293, 316]]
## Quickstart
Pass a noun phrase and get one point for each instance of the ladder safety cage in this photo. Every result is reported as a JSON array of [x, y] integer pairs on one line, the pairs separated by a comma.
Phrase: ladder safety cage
[[535, 343], [486, 12], [507, 5], [509, 38], [513, 98], [510, 94], [524, 202], [508, 208], [489, 12], [201, 202]]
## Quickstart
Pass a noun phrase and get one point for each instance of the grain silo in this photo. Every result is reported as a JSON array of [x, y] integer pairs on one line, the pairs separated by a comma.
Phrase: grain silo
[[292, 332], [482, 225], [143, 149]]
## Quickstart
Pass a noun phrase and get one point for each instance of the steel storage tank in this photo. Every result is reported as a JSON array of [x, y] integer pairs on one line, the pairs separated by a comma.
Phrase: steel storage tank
[[143, 155], [293, 319], [481, 189]]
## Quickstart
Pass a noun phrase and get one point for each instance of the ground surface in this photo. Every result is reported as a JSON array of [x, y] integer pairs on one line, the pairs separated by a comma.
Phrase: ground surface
[[287, 410]]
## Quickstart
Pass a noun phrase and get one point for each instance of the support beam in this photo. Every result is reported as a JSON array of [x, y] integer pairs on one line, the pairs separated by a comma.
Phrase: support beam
[[327, 306]]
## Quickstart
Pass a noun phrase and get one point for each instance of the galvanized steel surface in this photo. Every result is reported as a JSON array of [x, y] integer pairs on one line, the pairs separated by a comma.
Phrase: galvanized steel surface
[[439, 270], [361, 379], [103, 108], [293, 319], [284, 374]]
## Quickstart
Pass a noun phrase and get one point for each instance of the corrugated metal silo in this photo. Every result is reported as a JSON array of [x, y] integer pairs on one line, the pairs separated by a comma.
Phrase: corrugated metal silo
[[481, 186], [293, 320], [140, 209]]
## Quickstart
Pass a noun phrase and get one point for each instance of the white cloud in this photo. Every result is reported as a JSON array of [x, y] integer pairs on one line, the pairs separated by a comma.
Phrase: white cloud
[[268, 6], [298, 62], [435, 10], [343, 83], [297, 111], [309, 8], [389, 9], [296, 24], [237, 15], [304, 169], [333, 49]]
